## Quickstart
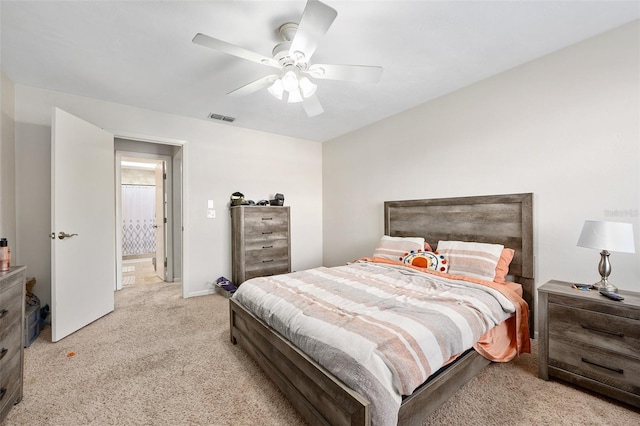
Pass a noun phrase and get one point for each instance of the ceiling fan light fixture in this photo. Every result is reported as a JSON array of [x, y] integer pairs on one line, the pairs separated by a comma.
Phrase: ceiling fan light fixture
[[307, 87], [277, 89], [290, 81], [295, 96]]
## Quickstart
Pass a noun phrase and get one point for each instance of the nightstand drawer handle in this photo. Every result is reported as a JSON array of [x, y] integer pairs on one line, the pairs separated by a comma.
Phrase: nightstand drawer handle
[[267, 261], [267, 218], [613, 333], [3, 352], [267, 233], [3, 313], [267, 246], [2, 392], [615, 370]]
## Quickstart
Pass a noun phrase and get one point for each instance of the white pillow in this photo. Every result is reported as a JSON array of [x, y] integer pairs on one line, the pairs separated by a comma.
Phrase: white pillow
[[395, 248], [476, 260]]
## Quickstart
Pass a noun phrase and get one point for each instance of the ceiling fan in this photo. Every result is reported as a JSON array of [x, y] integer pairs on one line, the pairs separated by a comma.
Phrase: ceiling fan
[[292, 82]]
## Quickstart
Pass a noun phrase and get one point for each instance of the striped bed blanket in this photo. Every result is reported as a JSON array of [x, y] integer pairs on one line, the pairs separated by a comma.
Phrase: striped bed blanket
[[382, 329]]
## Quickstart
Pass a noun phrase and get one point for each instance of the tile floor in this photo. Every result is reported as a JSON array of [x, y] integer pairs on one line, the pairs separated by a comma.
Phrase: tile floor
[[139, 271]]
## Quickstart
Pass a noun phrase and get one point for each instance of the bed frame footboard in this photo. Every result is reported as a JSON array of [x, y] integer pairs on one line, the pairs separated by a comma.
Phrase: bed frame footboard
[[317, 394]]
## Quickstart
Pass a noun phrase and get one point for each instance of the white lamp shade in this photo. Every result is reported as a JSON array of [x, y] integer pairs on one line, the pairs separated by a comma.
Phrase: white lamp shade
[[307, 87], [290, 81], [276, 89], [295, 96], [610, 236]]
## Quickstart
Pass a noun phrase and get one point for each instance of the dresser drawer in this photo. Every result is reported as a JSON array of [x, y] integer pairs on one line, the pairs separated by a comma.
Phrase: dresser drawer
[[10, 380], [265, 250], [10, 344], [272, 268], [11, 301], [598, 364], [261, 236], [614, 333], [255, 226]]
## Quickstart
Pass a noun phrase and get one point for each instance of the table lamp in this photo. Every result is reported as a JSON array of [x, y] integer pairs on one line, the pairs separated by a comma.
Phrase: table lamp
[[606, 236]]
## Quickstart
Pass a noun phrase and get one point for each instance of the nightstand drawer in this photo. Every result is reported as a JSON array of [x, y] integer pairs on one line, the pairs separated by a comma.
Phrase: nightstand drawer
[[600, 365], [618, 334]]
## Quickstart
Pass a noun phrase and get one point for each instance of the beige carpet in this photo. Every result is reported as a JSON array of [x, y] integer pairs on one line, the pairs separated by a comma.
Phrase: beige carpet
[[163, 360]]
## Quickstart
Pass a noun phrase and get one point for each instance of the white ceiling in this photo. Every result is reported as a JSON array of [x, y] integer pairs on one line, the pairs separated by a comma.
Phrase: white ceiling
[[140, 52]]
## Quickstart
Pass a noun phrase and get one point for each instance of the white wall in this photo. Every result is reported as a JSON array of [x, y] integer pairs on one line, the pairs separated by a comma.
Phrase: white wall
[[220, 159], [565, 127], [7, 163]]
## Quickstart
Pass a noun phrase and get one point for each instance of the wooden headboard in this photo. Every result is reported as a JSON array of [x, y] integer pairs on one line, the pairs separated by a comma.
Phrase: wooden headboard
[[498, 219]]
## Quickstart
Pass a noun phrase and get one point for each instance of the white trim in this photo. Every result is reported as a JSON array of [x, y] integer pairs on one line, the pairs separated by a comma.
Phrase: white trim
[[200, 293], [146, 138]]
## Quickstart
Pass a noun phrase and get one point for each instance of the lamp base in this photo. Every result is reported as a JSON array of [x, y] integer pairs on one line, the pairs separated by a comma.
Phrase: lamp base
[[605, 285]]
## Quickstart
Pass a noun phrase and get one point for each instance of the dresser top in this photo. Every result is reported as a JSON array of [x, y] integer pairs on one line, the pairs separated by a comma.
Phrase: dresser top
[[562, 288], [12, 271]]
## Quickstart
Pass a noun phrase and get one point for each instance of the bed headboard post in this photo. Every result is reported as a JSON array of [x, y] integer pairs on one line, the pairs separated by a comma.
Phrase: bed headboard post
[[498, 219]]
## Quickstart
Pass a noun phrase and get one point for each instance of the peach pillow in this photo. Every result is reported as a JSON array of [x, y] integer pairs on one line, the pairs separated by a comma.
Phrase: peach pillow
[[502, 268]]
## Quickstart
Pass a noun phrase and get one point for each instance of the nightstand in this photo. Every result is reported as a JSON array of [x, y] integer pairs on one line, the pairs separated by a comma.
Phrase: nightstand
[[590, 340]]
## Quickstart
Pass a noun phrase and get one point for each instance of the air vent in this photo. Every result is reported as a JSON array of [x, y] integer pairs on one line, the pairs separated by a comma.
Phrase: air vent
[[222, 117]]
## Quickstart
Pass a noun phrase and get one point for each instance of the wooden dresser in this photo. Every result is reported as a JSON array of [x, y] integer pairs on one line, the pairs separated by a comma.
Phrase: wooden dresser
[[260, 242], [590, 340], [11, 337]]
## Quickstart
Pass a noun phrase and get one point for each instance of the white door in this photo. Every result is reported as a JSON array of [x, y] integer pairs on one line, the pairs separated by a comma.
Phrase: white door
[[160, 221], [83, 264]]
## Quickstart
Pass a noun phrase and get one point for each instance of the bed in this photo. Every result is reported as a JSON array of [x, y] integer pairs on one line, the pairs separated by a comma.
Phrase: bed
[[320, 396]]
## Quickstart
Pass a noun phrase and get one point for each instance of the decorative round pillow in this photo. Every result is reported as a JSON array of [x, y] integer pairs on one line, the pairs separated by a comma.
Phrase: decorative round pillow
[[427, 259]]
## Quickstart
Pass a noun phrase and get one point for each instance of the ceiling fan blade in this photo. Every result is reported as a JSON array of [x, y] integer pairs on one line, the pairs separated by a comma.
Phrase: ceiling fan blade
[[316, 20], [254, 86], [357, 73], [312, 106], [232, 49]]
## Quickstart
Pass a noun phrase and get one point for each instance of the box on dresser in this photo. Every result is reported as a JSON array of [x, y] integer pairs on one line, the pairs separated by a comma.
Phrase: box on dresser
[[590, 340], [261, 242], [12, 290]]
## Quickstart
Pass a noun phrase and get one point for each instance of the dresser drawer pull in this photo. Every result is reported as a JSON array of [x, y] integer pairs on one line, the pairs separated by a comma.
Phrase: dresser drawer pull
[[3, 391], [267, 233], [267, 218], [615, 370], [3, 352], [267, 246], [267, 261], [3, 313], [613, 333]]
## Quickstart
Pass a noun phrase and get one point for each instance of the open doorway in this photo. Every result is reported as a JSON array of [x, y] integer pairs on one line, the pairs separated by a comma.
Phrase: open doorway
[[149, 239], [143, 209]]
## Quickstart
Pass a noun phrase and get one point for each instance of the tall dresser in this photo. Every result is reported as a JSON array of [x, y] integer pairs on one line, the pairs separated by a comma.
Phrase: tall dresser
[[11, 337], [260, 241]]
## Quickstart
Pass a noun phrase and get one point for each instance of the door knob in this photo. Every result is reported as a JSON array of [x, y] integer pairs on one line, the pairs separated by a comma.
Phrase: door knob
[[62, 235]]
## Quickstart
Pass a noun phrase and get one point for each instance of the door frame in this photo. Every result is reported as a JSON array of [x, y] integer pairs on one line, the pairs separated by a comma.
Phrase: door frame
[[183, 178], [168, 275]]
